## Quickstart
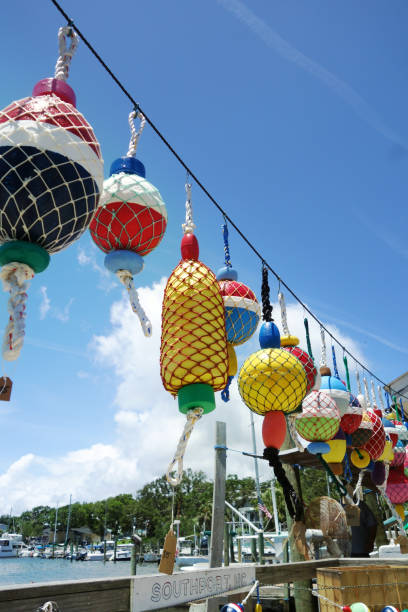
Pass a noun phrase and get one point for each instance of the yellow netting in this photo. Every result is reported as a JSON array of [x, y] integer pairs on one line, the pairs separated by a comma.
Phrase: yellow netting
[[193, 342], [272, 379]]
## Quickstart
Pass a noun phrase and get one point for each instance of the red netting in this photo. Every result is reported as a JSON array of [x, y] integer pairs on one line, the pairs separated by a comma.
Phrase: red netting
[[399, 457], [397, 486], [320, 418], [363, 433], [350, 422], [376, 444], [307, 363], [193, 341], [242, 311]]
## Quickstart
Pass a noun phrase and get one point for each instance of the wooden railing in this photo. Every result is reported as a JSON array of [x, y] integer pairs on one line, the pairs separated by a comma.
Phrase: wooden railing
[[134, 594]]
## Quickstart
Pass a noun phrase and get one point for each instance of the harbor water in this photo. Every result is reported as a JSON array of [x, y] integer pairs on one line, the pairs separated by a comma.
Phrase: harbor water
[[28, 570]]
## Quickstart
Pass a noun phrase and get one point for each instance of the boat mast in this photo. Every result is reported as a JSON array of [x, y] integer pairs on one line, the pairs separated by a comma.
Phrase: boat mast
[[68, 521]]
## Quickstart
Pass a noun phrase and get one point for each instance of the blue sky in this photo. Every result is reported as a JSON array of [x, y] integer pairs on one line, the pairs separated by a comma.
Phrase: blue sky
[[294, 116]]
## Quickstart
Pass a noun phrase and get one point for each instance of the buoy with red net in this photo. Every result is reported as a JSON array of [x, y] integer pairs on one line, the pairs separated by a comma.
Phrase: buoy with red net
[[131, 219], [242, 311], [51, 175]]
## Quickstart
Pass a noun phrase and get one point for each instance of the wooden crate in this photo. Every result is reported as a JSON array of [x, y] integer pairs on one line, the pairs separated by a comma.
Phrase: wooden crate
[[376, 586]]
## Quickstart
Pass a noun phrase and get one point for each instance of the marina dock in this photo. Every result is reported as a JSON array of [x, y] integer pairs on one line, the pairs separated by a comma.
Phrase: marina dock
[[211, 588]]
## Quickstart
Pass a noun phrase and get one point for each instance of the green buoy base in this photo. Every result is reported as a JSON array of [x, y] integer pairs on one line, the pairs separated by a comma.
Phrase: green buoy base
[[24, 252], [199, 395]]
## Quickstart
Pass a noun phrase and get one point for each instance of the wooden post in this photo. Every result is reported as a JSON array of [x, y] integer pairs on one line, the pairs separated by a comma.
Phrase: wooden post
[[261, 547], [226, 546], [218, 509], [253, 549], [303, 597], [115, 546], [231, 546], [239, 544]]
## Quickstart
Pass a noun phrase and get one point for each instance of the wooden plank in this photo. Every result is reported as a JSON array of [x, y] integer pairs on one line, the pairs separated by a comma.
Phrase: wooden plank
[[112, 595], [294, 457], [292, 572]]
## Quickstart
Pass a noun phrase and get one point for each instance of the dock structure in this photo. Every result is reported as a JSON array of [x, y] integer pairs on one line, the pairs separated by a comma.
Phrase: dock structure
[[176, 592]]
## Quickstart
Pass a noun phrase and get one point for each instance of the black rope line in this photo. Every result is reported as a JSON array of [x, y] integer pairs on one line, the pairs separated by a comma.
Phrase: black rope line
[[137, 106]]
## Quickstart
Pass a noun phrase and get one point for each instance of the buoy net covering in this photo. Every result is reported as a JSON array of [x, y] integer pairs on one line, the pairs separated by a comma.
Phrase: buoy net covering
[[193, 342], [272, 379], [320, 419], [131, 215], [51, 172], [242, 311]]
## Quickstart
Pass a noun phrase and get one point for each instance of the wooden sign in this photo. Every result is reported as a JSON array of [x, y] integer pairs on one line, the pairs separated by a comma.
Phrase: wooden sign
[[169, 553], [5, 388], [158, 591]]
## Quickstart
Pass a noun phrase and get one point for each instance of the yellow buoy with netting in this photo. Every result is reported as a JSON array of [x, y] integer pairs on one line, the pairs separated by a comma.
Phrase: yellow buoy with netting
[[272, 379], [194, 357]]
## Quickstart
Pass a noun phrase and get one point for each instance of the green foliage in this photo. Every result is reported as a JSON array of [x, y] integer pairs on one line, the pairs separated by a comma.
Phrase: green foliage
[[151, 508]]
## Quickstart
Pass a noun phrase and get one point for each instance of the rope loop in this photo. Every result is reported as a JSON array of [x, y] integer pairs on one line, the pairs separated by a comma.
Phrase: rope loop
[[358, 382], [225, 393], [284, 317], [373, 396], [366, 395], [347, 372], [135, 134], [323, 356], [226, 244], [265, 292], [65, 53], [15, 277], [309, 344], [193, 416], [188, 226], [380, 395], [126, 279], [335, 370]]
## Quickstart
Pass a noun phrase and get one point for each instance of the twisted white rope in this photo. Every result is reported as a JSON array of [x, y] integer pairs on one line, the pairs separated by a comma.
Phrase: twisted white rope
[[49, 606], [193, 416], [188, 226], [293, 433], [126, 278], [323, 356], [358, 382], [284, 317], [252, 589], [15, 277], [135, 134], [366, 395], [65, 53], [373, 396], [380, 395], [358, 491]]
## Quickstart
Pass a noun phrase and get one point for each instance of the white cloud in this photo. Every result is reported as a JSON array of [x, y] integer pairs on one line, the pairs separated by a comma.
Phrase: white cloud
[[148, 423], [63, 314], [107, 281], [45, 302]]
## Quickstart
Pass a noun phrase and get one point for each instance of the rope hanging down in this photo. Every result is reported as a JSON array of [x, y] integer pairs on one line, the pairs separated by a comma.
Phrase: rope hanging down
[[65, 53], [126, 279], [189, 225], [192, 417], [284, 318], [323, 356], [205, 190], [265, 292], [15, 277]]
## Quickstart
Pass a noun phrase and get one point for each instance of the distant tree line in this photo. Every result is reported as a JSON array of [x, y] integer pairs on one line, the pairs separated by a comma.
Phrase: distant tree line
[[150, 508]]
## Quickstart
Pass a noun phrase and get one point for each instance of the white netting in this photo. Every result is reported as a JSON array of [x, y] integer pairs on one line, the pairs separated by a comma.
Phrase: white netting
[[51, 172]]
